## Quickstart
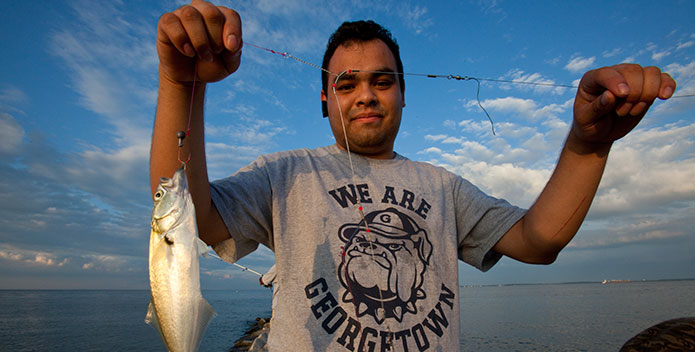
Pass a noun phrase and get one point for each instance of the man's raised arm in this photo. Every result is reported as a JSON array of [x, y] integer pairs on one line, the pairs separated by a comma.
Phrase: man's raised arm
[[610, 102], [200, 38]]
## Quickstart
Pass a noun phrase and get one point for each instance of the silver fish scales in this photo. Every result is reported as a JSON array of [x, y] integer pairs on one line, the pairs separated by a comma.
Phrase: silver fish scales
[[177, 308]]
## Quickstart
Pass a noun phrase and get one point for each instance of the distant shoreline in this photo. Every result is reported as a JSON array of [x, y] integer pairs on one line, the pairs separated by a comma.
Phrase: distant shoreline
[[576, 282], [265, 290]]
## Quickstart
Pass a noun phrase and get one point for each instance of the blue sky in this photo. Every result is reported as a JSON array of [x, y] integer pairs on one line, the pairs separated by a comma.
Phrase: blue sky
[[77, 99]]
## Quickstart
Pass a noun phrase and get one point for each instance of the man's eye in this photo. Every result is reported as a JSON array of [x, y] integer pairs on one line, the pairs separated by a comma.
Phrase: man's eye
[[384, 84], [345, 87]]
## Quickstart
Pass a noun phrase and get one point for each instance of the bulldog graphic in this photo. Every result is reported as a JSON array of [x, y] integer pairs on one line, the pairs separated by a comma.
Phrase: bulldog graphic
[[383, 278]]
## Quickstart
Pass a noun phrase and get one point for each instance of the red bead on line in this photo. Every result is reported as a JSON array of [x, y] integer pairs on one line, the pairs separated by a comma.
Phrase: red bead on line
[[360, 208]]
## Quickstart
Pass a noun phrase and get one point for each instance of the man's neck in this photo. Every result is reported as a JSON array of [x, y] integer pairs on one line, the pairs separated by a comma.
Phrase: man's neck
[[384, 155]]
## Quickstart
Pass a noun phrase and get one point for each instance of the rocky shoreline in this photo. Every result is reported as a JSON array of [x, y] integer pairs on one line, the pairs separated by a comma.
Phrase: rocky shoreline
[[254, 338]]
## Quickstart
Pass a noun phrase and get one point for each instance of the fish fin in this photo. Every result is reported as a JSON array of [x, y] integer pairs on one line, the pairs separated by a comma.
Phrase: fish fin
[[202, 247], [151, 318], [205, 314]]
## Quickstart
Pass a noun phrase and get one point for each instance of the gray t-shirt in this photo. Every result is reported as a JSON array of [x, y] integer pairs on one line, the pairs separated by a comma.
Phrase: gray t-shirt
[[339, 292]]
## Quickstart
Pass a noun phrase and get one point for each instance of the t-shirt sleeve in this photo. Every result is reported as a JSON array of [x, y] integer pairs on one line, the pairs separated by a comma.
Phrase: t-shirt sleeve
[[481, 221], [244, 201]]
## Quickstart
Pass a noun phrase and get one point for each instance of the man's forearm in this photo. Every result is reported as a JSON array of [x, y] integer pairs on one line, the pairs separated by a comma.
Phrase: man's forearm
[[559, 211], [173, 106], [172, 116]]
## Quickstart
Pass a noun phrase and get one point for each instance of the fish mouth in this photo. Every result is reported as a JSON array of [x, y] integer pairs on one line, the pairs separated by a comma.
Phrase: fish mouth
[[159, 228], [173, 212]]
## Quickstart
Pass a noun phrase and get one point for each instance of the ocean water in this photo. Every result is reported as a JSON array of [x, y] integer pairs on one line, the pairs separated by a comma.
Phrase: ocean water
[[556, 317], [568, 317], [113, 320]]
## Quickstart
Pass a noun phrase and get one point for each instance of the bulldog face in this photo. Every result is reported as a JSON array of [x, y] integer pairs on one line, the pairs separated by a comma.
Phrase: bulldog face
[[383, 277]]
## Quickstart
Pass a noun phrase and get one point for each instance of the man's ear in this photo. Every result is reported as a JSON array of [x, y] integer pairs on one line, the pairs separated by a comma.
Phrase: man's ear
[[324, 103], [403, 94]]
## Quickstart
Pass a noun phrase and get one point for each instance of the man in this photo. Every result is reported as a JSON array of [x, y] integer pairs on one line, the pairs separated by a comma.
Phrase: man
[[367, 242]]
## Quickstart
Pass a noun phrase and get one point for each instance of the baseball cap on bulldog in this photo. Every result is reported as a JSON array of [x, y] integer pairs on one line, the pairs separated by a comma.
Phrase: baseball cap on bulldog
[[389, 223]]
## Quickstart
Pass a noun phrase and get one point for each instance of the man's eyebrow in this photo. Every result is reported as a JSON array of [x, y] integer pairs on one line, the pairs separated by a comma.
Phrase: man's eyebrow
[[384, 70], [351, 75]]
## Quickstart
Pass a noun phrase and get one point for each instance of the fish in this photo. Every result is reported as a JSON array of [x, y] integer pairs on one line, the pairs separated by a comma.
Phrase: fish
[[177, 308]]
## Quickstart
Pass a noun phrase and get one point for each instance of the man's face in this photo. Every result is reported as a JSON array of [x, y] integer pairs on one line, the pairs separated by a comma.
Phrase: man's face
[[371, 103]]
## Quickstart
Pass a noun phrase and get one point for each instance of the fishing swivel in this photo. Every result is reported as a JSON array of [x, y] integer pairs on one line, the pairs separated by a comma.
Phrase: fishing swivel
[[459, 78], [181, 135]]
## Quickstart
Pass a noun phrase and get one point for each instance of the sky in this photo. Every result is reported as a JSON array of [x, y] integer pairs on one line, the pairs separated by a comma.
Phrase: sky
[[78, 92]]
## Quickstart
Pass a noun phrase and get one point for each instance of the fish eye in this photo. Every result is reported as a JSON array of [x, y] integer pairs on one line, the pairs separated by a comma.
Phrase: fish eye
[[158, 195]]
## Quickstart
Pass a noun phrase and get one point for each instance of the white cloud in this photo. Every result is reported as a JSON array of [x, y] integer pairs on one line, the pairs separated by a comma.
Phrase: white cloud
[[288, 8], [682, 71], [224, 158], [684, 74], [248, 131], [11, 134], [67, 261], [523, 107], [111, 173], [492, 7], [526, 108], [517, 184], [579, 64], [415, 17], [110, 75], [437, 137], [684, 45], [13, 95], [534, 81], [31, 257], [648, 169], [107, 262], [656, 56], [606, 241], [612, 53]]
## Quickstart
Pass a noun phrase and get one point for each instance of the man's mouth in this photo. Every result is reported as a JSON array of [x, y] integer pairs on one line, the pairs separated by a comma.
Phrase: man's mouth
[[368, 116]]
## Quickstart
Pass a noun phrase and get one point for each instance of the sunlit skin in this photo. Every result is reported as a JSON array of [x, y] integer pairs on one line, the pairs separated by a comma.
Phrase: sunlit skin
[[371, 100]]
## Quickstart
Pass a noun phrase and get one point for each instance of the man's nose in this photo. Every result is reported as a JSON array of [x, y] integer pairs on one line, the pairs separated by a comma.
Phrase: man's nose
[[366, 95]]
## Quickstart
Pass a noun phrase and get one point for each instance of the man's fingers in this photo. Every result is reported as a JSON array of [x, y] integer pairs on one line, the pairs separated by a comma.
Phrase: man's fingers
[[634, 78], [193, 23], [598, 107], [231, 33], [171, 31], [668, 86], [214, 23], [651, 82]]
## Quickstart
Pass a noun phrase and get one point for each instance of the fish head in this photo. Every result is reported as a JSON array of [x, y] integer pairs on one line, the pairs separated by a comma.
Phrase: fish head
[[169, 201]]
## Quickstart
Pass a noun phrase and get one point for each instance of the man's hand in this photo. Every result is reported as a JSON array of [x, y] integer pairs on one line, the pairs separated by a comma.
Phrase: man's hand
[[611, 101], [200, 33]]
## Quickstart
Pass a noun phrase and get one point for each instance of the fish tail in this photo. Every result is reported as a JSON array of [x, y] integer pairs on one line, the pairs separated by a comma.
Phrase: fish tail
[[205, 315], [151, 318]]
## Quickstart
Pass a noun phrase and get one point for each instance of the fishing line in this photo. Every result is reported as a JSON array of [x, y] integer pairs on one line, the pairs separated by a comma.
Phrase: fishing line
[[361, 212], [243, 268], [181, 135], [450, 76]]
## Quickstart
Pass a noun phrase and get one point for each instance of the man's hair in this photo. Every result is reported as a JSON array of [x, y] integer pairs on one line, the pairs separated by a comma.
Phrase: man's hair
[[358, 31]]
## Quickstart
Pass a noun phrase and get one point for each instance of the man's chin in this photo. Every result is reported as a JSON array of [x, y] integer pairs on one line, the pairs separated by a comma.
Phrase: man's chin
[[370, 146]]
